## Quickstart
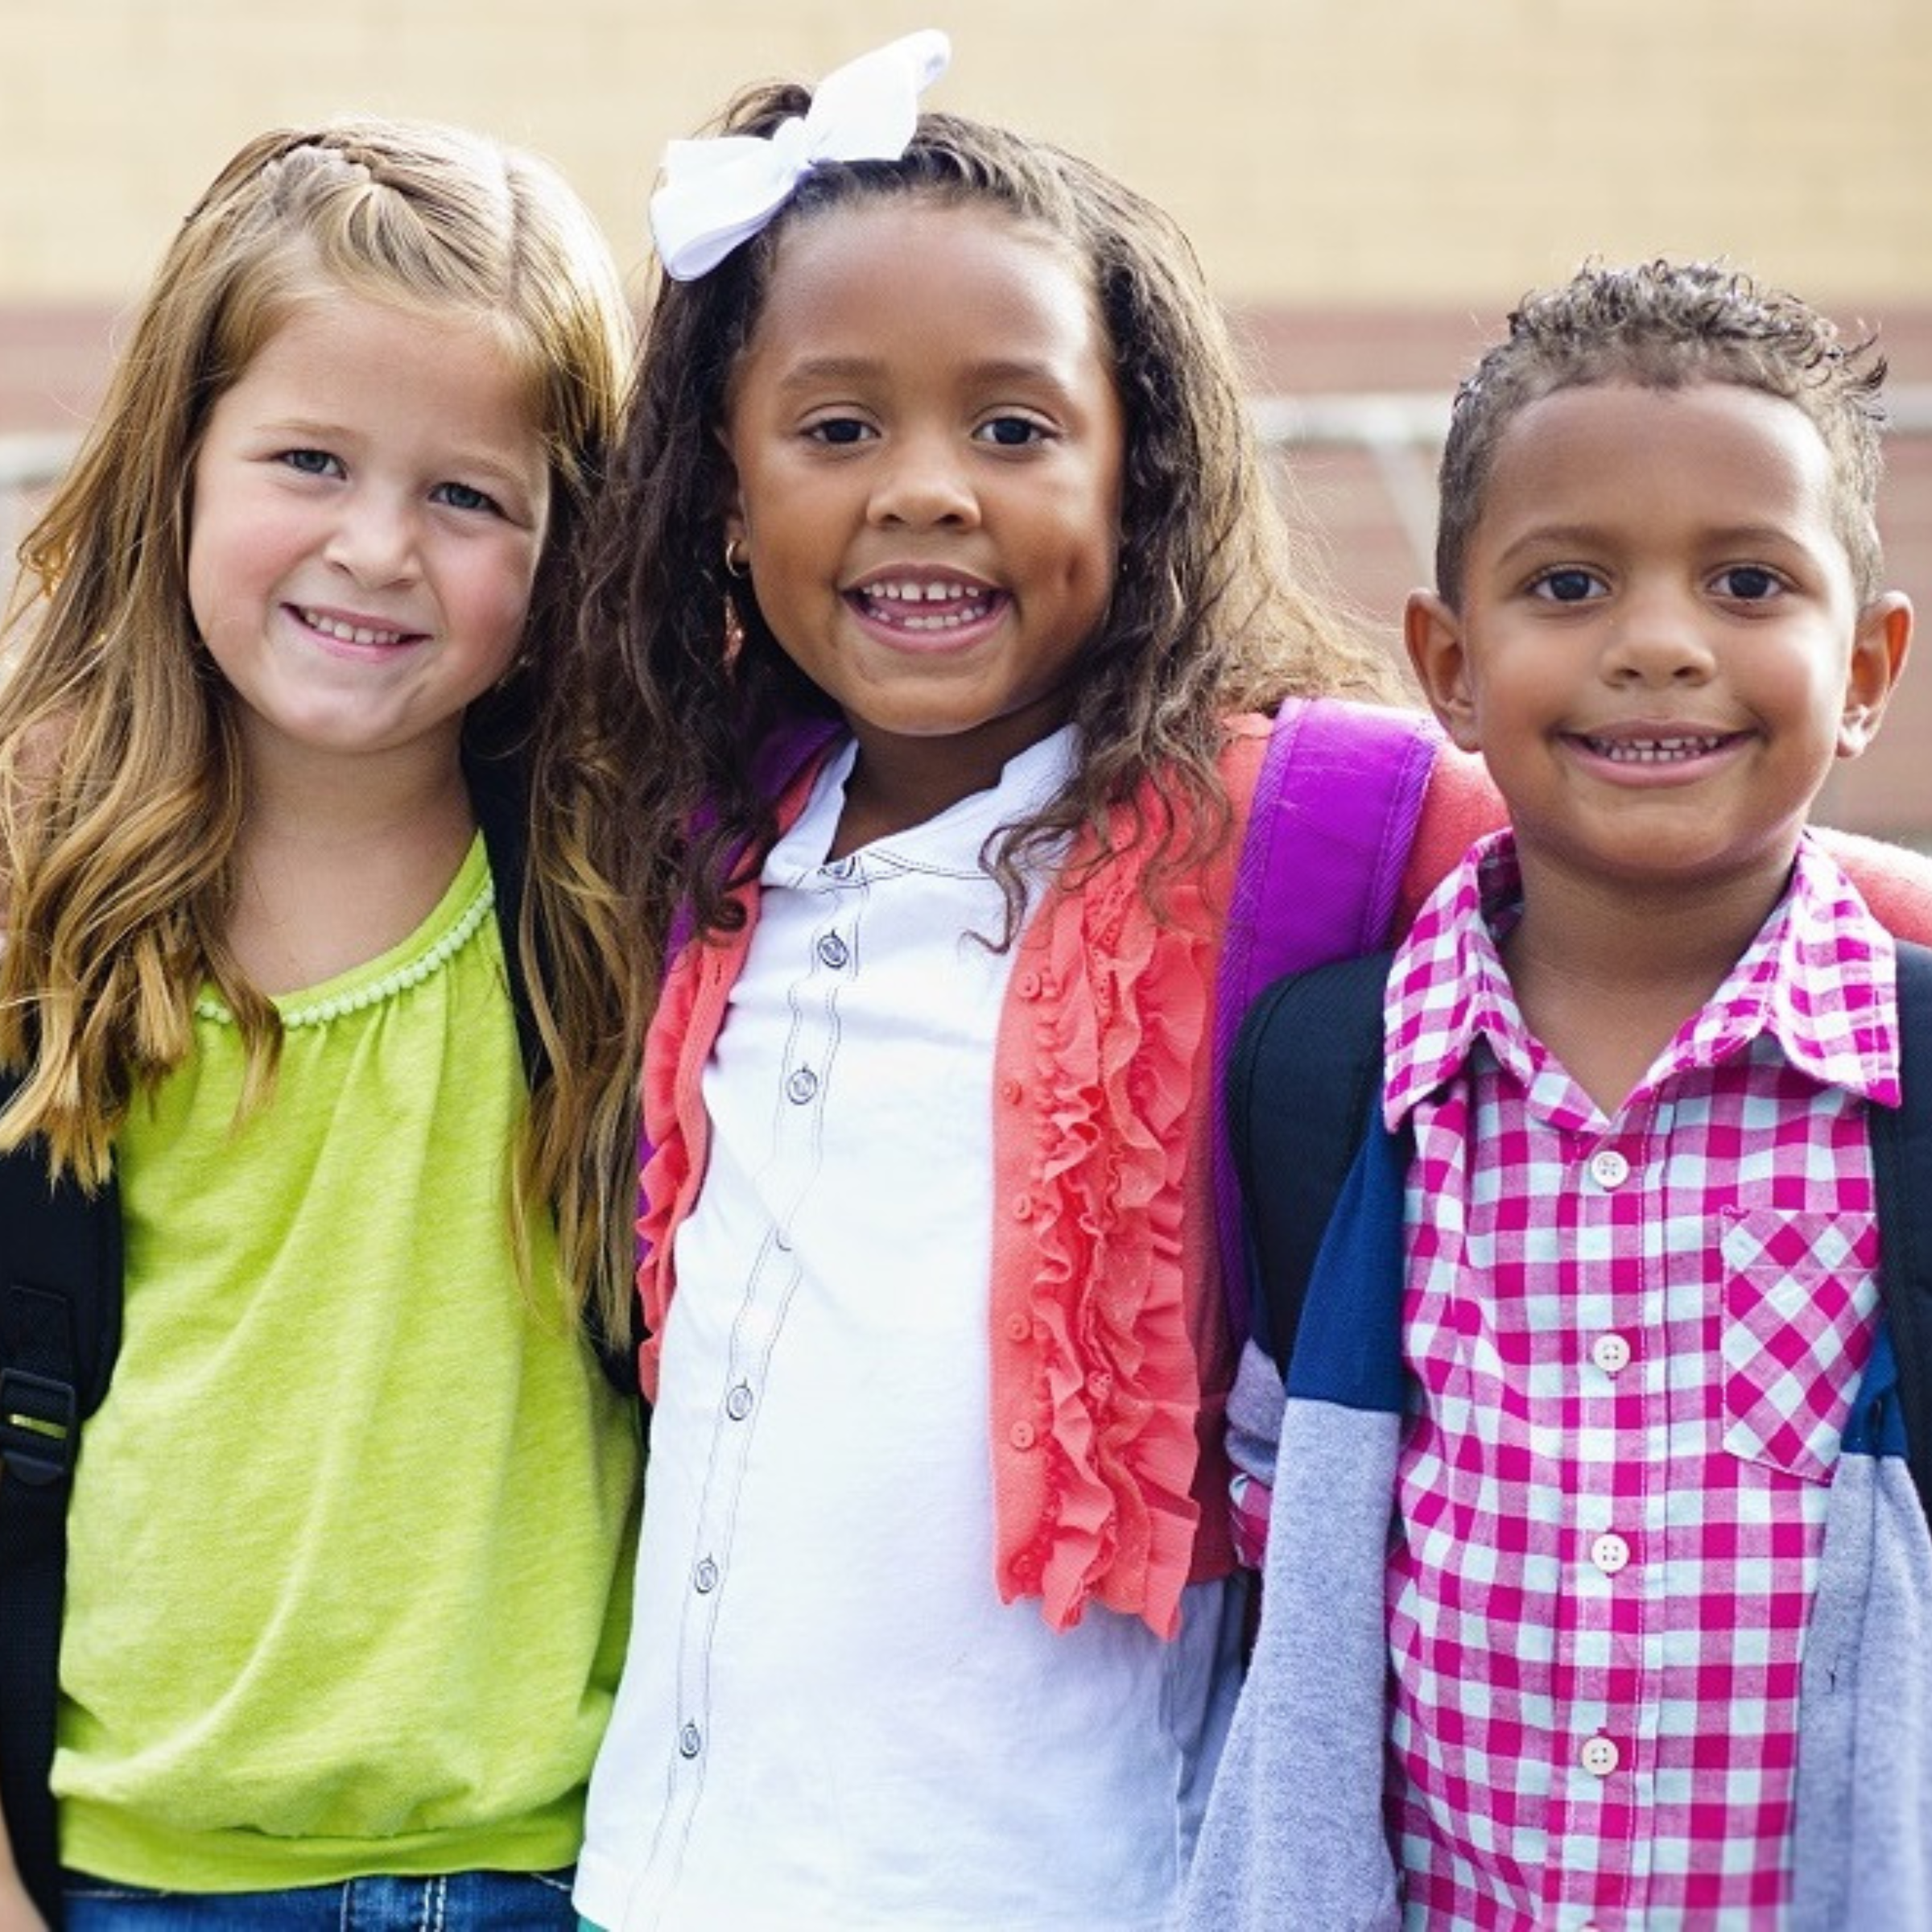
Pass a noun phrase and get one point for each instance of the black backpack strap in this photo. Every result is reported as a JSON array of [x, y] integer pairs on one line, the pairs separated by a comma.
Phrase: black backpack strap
[[1901, 1154], [60, 1331], [1305, 1067], [499, 795]]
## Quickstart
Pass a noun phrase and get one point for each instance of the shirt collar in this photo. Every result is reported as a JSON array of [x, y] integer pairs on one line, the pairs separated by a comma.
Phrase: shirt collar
[[1819, 980], [952, 842]]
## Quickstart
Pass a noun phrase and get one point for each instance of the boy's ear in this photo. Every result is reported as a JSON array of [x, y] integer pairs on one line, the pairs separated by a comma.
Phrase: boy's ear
[[1878, 655], [1433, 635]]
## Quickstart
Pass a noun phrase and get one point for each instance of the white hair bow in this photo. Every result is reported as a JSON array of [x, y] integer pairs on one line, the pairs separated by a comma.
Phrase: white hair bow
[[717, 193]]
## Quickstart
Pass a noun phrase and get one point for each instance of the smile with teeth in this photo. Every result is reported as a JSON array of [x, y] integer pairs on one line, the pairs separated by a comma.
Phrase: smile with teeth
[[939, 605], [1654, 751], [345, 633]]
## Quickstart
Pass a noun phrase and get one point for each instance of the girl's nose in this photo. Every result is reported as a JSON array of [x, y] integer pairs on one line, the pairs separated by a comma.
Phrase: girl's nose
[[922, 482], [374, 540]]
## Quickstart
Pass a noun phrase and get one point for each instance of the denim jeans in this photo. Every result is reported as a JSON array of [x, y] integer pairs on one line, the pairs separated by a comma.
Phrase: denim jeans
[[466, 1901]]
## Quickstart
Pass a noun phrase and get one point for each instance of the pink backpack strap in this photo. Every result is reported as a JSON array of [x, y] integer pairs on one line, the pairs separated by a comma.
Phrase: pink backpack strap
[[1334, 813]]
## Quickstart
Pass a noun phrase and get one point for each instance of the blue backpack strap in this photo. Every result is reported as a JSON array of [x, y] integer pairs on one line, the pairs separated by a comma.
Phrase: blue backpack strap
[[1901, 1155], [1327, 839], [60, 1332]]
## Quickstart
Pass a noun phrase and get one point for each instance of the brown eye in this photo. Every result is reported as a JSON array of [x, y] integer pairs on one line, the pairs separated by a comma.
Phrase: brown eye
[[840, 432], [1749, 584], [1011, 432], [1568, 586]]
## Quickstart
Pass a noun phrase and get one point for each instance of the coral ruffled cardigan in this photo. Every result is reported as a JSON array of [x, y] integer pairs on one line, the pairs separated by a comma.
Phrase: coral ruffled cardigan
[[1111, 1356]]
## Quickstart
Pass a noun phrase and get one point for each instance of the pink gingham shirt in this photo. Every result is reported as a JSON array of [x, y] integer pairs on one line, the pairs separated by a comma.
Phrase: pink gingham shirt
[[1634, 1342]]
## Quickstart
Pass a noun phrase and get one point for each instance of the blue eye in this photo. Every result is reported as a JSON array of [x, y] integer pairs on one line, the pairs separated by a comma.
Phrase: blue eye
[[1569, 585], [461, 496], [311, 462]]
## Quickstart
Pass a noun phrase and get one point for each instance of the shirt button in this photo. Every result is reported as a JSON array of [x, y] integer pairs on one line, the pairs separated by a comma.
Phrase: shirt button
[[738, 1402], [801, 1086], [1028, 985], [705, 1578], [1609, 1552], [1608, 1168], [1010, 1091], [1019, 1327], [1022, 1435], [834, 950], [1022, 1208], [691, 1741], [1600, 1756], [1611, 1353]]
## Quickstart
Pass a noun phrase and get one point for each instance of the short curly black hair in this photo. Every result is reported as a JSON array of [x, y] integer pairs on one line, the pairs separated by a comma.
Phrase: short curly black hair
[[1664, 324]]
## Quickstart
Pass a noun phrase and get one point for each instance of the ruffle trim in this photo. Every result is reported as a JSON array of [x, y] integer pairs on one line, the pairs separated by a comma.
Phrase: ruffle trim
[[666, 1184], [1114, 1010], [1097, 1392]]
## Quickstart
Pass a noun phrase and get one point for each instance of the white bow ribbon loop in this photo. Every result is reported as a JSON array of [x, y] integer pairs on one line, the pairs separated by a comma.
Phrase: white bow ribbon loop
[[718, 193]]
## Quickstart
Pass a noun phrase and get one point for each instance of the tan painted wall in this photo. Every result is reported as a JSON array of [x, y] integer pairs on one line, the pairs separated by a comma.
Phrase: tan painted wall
[[1371, 151]]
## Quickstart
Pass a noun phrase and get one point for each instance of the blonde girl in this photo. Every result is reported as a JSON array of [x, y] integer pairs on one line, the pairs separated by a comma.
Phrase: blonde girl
[[348, 1568]]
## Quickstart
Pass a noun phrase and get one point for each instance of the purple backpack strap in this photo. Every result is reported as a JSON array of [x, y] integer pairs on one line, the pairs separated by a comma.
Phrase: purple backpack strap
[[1328, 836]]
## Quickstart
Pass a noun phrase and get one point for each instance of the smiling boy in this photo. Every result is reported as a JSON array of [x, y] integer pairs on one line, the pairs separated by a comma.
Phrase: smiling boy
[[1634, 1042]]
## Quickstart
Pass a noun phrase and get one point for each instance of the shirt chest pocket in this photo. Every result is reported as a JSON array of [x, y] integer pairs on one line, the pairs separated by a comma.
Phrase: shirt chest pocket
[[1800, 1297]]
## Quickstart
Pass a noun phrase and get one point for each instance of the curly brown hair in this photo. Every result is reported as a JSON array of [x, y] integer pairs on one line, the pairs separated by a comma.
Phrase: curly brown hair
[[1210, 614], [1664, 324]]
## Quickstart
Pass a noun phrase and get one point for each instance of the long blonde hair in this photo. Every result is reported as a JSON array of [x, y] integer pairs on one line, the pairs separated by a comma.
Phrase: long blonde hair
[[121, 780]]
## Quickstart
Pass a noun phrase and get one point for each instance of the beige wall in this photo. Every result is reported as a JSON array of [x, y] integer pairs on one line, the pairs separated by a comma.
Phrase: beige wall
[[1370, 151]]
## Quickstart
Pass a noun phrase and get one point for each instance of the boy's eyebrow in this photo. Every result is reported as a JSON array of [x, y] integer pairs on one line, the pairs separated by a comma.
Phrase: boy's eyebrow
[[1540, 536]]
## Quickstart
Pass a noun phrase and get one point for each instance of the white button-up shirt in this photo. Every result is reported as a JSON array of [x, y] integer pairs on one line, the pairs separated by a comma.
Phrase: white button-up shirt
[[827, 1718]]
